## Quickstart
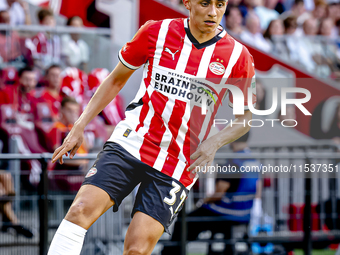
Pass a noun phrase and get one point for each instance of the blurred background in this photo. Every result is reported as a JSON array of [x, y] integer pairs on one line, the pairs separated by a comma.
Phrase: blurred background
[[54, 55]]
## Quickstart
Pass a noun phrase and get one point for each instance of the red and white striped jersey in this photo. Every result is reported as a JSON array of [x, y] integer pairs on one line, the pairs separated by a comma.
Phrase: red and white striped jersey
[[164, 124]]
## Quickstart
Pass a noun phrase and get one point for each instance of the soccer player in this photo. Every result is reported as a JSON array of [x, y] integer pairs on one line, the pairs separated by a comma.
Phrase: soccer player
[[164, 135], [234, 198]]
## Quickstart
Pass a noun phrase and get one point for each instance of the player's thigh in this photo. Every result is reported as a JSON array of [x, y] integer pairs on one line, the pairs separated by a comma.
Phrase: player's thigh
[[161, 197], [115, 171], [89, 204], [112, 177], [142, 234]]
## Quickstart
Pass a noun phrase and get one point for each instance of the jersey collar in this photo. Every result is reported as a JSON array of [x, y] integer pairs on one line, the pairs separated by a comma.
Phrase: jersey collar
[[198, 45]]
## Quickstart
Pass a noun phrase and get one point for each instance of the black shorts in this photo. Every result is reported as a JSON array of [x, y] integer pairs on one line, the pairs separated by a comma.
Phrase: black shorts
[[117, 172]]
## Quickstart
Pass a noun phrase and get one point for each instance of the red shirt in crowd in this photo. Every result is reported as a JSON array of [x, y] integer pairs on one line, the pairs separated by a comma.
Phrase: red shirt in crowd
[[22, 103], [53, 101]]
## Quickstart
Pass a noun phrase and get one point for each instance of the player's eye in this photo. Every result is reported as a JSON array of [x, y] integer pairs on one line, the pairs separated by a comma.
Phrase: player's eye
[[204, 4], [220, 5]]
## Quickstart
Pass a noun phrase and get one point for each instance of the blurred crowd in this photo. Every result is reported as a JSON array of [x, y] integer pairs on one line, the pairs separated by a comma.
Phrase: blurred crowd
[[44, 48], [49, 105], [39, 113], [302, 31], [45, 84]]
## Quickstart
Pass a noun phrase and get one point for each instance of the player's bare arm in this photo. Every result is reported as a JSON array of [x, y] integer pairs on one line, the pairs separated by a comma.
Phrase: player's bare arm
[[206, 151], [104, 94]]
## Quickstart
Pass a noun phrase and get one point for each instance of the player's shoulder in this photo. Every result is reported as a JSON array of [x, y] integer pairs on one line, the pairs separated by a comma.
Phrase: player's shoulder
[[245, 52], [228, 39], [157, 23]]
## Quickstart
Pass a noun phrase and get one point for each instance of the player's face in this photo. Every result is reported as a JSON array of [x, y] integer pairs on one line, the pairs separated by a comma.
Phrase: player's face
[[205, 15]]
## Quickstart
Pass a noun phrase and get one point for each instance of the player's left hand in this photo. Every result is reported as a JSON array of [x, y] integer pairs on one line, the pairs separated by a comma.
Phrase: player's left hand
[[204, 154]]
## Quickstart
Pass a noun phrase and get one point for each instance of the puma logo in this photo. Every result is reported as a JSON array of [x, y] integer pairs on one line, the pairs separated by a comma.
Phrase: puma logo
[[171, 53]]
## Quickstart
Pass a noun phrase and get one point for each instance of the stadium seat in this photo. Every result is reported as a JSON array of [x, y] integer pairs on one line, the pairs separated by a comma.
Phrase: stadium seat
[[296, 213]]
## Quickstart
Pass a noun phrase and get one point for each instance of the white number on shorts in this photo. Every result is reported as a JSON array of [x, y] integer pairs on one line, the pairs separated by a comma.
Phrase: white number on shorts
[[173, 191], [182, 197]]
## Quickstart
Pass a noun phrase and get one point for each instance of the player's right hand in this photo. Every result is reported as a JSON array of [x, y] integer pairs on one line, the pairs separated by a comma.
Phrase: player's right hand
[[70, 145]]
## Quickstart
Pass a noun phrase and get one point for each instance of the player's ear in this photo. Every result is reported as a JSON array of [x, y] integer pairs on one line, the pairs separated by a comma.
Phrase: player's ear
[[187, 4]]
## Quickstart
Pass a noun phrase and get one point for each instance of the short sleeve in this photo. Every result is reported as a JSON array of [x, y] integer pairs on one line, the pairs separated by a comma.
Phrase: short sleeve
[[243, 76], [135, 53]]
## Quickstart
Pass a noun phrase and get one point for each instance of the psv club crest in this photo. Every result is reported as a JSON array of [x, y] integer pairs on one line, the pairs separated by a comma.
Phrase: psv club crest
[[91, 172], [217, 68]]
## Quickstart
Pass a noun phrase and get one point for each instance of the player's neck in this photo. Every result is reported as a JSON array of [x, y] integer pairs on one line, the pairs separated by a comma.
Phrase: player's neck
[[200, 36]]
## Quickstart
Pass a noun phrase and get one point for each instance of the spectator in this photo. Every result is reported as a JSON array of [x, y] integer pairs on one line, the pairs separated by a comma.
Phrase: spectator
[[333, 13], [297, 10], [103, 125], [233, 20], [248, 6], [299, 51], [22, 95], [18, 11], [74, 49], [273, 35], [311, 44], [319, 11], [224, 202], [69, 113], [310, 27], [235, 3], [266, 13], [113, 113], [74, 82], [329, 53], [9, 219], [45, 46], [10, 49], [326, 28], [338, 40], [290, 24], [252, 35], [51, 93]]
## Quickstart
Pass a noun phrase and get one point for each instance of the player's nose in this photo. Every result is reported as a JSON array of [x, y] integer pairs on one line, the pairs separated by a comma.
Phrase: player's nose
[[212, 11]]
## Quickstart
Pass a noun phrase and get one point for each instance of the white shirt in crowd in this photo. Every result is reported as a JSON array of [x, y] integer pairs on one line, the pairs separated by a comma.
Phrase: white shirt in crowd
[[266, 16], [77, 52], [16, 12], [256, 40]]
